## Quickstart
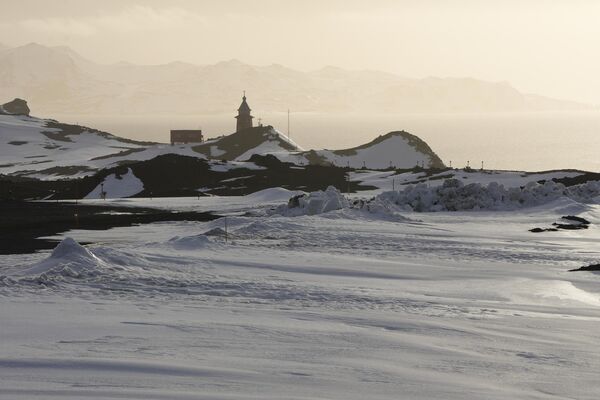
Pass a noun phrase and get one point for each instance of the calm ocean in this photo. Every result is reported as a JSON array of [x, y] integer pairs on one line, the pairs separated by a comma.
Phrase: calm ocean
[[518, 141]]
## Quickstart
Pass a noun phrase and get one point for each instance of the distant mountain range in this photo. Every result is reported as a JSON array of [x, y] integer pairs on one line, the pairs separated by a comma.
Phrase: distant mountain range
[[57, 80]]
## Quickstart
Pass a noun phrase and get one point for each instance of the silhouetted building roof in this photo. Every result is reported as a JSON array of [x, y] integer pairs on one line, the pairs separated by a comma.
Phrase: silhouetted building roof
[[244, 119], [244, 107], [186, 136]]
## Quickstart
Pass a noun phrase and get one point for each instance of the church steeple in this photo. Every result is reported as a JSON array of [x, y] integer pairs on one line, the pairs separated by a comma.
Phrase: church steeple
[[244, 119]]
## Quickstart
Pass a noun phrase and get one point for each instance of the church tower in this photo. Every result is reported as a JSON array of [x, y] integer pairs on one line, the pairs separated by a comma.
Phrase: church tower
[[244, 119]]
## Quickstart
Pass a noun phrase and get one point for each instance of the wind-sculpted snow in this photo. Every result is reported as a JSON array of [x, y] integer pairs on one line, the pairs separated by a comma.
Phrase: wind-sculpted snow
[[452, 195], [347, 304], [68, 259], [318, 202], [72, 267], [194, 242]]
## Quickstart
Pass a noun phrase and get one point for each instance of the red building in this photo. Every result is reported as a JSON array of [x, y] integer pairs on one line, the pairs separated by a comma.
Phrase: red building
[[186, 136]]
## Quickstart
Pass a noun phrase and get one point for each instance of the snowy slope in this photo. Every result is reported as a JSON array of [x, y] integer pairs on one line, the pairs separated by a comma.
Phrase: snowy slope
[[46, 149], [388, 180], [397, 149], [448, 306], [240, 146], [394, 149], [115, 186]]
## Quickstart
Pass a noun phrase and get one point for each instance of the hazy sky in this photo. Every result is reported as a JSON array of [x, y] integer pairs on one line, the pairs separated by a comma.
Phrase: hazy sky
[[540, 46]]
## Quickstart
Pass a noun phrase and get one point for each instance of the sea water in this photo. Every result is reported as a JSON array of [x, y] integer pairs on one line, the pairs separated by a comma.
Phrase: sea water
[[515, 141]]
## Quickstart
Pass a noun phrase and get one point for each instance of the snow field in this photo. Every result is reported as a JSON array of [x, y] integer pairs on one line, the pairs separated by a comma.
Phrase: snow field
[[340, 304]]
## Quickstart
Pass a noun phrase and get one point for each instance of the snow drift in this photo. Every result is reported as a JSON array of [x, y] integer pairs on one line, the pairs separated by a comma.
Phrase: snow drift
[[452, 195], [193, 242], [69, 259], [318, 202], [275, 194]]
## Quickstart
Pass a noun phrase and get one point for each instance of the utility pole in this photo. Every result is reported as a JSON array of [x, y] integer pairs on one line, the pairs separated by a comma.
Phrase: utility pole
[[288, 123], [348, 179], [348, 182]]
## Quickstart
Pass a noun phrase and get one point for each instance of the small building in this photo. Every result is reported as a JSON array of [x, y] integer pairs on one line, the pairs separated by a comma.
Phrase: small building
[[186, 136], [244, 119]]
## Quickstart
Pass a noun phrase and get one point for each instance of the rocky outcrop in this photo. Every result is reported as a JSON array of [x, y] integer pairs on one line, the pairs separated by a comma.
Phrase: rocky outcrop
[[243, 144], [15, 107]]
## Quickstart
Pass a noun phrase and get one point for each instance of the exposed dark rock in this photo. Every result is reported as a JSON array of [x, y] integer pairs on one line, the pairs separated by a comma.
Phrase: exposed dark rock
[[592, 267], [571, 227], [579, 179], [119, 154], [15, 107], [66, 130], [538, 230], [576, 219], [175, 175], [315, 158], [22, 223], [572, 222], [232, 146], [17, 142], [267, 161], [295, 201], [62, 171]]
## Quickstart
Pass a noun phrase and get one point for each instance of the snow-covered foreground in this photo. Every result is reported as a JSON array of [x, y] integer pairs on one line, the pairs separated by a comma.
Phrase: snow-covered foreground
[[341, 305]]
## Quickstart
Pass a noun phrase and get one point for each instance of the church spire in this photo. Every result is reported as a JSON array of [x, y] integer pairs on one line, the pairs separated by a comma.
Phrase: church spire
[[244, 119]]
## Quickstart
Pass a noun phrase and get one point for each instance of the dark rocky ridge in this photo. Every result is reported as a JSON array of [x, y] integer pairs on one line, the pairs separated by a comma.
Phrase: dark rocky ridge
[[22, 223], [591, 268], [67, 130], [236, 144], [567, 222], [175, 175], [15, 107]]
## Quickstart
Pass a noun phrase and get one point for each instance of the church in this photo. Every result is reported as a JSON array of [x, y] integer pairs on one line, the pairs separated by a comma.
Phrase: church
[[244, 118], [244, 121]]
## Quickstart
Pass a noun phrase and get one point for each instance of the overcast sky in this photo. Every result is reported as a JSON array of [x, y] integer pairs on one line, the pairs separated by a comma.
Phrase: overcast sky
[[540, 46]]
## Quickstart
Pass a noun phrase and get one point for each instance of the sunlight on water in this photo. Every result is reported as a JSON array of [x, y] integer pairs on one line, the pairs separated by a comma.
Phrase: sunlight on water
[[523, 141]]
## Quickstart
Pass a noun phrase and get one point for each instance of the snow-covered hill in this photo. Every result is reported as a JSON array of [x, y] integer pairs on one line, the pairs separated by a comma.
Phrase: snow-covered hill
[[48, 149], [393, 150], [240, 146]]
